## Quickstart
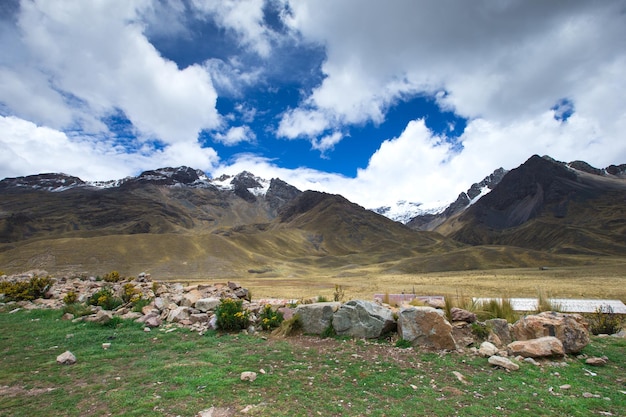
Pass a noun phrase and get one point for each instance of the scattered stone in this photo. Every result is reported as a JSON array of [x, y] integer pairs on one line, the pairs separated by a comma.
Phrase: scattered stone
[[15, 310], [105, 346], [460, 377], [363, 319], [531, 361], [248, 376], [565, 387], [425, 326], [503, 363], [487, 349], [596, 361], [146, 329], [67, 316], [66, 358], [570, 329], [537, 348], [216, 412], [178, 314]]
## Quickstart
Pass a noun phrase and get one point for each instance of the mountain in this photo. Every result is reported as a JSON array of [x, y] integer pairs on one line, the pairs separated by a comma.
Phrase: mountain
[[431, 220], [177, 222], [549, 206]]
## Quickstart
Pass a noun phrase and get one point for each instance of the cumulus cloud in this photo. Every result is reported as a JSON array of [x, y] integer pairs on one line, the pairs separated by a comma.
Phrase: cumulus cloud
[[88, 59], [503, 62], [235, 135]]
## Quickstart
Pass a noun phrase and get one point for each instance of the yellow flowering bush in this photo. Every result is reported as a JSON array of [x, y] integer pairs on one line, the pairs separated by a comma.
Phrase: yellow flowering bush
[[270, 319], [231, 315]]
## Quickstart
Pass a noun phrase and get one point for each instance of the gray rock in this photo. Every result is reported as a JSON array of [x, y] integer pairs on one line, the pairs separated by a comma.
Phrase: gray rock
[[315, 318], [207, 304], [66, 358], [190, 298], [178, 314], [503, 363], [363, 319], [248, 376], [426, 326], [199, 318]]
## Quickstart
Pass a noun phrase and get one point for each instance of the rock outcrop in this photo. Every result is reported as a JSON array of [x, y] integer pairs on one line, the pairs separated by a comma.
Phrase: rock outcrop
[[363, 319], [425, 326], [570, 329]]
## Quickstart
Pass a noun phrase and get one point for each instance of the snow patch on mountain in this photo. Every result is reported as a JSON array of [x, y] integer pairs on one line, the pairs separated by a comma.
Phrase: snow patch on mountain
[[402, 211]]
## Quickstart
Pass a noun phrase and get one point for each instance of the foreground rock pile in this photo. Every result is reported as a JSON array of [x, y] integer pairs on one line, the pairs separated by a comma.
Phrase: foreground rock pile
[[547, 334]]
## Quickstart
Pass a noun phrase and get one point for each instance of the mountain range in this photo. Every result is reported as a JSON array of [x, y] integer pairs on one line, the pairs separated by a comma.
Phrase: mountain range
[[177, 222]]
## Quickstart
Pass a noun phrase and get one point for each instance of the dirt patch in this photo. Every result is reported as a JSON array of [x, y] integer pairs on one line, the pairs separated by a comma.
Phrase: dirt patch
[[14, 391]]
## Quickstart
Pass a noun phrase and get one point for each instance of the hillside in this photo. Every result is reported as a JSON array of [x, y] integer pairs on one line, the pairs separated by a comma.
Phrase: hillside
[[549, 206]]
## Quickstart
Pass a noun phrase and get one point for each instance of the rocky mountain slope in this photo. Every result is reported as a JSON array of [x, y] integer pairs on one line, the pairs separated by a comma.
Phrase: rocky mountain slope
[[176, 222], [549, 206]]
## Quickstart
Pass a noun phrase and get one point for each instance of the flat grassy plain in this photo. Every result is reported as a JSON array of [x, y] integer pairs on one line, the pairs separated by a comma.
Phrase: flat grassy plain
[[174, 372], [605, 279]]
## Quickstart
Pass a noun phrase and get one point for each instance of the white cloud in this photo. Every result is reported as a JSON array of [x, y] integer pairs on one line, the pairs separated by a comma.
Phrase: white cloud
[[503, 61], [89, 59], [328, 142], [235, 135], [30, 149], [244, 17]]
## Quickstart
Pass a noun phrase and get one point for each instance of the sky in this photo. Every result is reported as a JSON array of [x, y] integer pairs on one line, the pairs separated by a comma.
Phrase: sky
[[378, 101]]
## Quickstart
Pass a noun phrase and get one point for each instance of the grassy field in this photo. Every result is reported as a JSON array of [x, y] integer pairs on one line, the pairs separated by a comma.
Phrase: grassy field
[[178, 373], [600, 281]]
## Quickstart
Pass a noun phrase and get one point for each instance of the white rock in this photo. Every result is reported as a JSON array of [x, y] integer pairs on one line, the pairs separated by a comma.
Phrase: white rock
[[503, 363], [487, 349], [248, 376], [66, 358]]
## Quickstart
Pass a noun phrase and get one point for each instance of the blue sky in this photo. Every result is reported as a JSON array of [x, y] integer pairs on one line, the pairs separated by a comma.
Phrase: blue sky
[[377, 101]]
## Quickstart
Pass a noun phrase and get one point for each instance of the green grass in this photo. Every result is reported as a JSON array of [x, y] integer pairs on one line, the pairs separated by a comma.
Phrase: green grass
[[180, 373]]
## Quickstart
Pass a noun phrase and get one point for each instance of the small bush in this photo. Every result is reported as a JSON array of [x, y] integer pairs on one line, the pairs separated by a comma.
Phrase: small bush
[[322, 299], [605, 321], [130, 294], [36, 287], [231, 315], [498, 309], [288, 327], [270, 319], [105, 299], [112, 276], [480, 330], [140, 304], [77, 309], [403, 344], [70, 298]]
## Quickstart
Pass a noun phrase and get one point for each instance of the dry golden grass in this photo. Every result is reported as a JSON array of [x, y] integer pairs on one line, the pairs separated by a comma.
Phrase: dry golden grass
[[605, 279]]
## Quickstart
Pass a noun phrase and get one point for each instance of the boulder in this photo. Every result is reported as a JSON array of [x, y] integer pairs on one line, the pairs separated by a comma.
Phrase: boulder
[[570, 329], [425, 326], [503, 363], [499, 332], [363, 319], [178, 314], [199, 318], [537, 348], [207, 304], [487, 349], [190, 298], [458, 314], [462, 334], [66, 358], [153, 321], [316, 317]]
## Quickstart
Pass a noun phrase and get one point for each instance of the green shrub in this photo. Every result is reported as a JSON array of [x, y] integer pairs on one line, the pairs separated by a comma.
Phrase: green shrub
[[70, 298], [112, 276], [105, 299], [480, 330], [231, 315], [270, 319], [498, 309], [130, 294], [77, 309], [140, 304], [604, 321], [322, 299], [36, 287]]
